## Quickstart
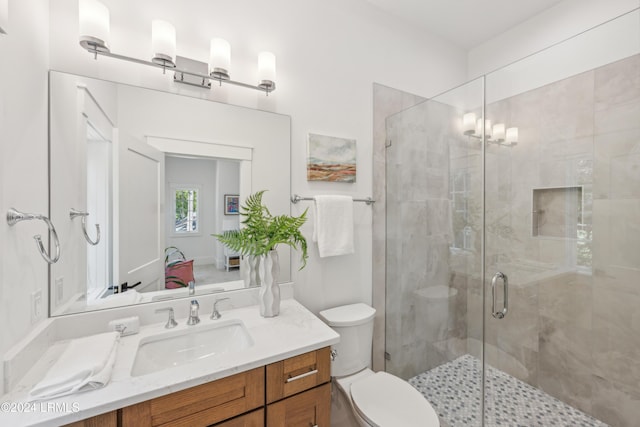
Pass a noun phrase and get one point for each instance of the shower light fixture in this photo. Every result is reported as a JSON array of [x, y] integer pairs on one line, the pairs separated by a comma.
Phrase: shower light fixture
[[94, 37], [497, 134]]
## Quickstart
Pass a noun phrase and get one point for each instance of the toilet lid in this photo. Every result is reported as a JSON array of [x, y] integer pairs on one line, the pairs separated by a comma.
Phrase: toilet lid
[[385, 400]]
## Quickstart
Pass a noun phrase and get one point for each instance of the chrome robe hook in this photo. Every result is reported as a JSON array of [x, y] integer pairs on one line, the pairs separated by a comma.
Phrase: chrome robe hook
[[14, 216], [83, 215]]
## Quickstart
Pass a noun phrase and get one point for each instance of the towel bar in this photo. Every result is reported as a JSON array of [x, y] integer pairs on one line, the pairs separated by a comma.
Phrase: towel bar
[[14, 216], [295, 199], [83, 215]]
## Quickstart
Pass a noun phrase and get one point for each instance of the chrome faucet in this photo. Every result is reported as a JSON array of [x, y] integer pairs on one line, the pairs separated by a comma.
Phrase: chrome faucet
[[171, 321], [216, 314], [193, 313], [192, 287]]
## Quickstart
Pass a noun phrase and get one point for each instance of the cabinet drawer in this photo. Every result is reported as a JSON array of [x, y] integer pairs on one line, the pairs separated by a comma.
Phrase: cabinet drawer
[[299, 373], [311, 408], [109, 419], [202, 405], [254, 419]]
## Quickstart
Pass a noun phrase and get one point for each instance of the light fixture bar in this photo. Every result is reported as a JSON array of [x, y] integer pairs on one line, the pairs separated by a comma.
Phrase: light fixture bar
[[92, 49], [496, 134]]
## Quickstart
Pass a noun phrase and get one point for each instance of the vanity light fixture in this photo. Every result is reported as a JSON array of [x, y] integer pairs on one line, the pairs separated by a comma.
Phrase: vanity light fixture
[[94, 38], [497, 134]]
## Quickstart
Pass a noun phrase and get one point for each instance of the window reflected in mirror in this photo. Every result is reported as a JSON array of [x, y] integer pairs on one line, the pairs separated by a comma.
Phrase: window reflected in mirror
[[185, 210]]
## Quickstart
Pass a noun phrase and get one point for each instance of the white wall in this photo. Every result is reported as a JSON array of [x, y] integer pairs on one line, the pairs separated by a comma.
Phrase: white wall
[[329, 53], [552, 26], [23, 163]]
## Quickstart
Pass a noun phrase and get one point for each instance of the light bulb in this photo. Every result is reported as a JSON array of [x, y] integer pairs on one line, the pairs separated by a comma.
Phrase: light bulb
[[267, 71], [163, 43], [487, 128], [93, 25], [498, 131], [220, 59], [511, 136], [4, 16], [469, 123]]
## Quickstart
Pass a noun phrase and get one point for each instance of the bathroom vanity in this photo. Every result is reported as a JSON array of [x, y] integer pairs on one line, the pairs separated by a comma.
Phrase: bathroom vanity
[[294, 391], [281, 379]]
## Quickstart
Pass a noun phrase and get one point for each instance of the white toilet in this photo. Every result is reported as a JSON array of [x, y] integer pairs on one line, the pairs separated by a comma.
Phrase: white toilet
[[378, 399]]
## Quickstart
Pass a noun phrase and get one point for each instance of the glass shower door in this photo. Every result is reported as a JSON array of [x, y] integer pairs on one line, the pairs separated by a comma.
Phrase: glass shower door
[[434, 253], [562, 233]]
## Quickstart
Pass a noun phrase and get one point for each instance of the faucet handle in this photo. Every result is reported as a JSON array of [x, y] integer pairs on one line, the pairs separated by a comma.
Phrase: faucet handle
[[216, 314], [193, 313], [171, 321]]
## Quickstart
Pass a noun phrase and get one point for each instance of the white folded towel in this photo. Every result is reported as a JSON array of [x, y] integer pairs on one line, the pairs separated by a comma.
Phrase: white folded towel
[[333, 225], [85, 364]]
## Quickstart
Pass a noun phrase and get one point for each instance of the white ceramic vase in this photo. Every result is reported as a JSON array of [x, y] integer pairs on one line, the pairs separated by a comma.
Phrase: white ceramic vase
[[249, 270], [245, 270], [268, 272]]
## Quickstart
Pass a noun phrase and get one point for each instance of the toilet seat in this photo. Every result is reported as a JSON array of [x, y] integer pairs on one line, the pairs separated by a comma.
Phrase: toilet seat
[[385, 400]]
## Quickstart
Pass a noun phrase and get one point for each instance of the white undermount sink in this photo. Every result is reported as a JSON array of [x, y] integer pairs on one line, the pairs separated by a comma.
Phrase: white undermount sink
[[175, 348]]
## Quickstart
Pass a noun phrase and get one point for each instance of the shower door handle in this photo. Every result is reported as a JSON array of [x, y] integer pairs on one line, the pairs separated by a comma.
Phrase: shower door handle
[[505, 303]]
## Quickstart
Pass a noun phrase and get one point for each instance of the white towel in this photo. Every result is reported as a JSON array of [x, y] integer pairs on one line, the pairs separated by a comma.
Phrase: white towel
[[86, 364], [334, 225]]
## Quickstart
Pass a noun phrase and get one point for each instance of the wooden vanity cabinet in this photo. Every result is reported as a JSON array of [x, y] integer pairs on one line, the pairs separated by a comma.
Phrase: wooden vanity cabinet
[[203, 405], [311, 408], [294, 392], [110, 419], [299, 392]]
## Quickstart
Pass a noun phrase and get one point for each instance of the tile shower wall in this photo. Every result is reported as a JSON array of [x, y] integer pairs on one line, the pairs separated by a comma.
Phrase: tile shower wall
[[573, 329]]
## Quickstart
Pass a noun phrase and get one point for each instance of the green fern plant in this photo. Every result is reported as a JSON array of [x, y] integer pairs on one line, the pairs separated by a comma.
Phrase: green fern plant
[[262, 231]]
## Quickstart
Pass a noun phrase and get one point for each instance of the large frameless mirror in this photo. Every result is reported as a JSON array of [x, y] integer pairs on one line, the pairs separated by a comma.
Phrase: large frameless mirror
[[141, 180]]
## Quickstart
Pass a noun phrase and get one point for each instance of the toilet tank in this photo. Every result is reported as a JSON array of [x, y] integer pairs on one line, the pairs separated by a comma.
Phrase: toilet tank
[[354, 323]]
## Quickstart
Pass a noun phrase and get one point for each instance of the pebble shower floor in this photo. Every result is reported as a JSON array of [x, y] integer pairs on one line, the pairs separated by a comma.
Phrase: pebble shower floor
[[454, 391]]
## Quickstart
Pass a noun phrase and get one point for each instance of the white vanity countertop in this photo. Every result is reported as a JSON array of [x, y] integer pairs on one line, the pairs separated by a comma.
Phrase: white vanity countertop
[[295, 331]]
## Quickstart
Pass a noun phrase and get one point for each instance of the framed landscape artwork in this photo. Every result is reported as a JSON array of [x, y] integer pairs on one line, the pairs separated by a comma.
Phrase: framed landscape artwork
[[331, 159]]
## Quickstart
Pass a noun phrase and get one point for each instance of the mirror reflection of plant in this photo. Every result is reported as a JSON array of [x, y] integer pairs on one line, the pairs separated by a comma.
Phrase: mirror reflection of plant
[[262, 231]]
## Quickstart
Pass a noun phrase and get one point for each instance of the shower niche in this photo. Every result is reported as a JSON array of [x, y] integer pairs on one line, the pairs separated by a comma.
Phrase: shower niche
[[556, 212]]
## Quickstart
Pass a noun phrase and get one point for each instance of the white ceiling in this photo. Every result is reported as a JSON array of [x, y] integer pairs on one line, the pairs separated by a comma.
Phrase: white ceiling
[[466, 23]]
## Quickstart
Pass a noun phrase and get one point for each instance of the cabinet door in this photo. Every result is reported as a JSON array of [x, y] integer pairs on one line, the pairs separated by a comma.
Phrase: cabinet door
[[299, 373], [109, 419], [202, 405], [253, 419], [311, 408]]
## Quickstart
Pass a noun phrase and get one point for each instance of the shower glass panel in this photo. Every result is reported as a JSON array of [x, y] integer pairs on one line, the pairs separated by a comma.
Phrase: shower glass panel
[[434, 217], [562, 223]]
